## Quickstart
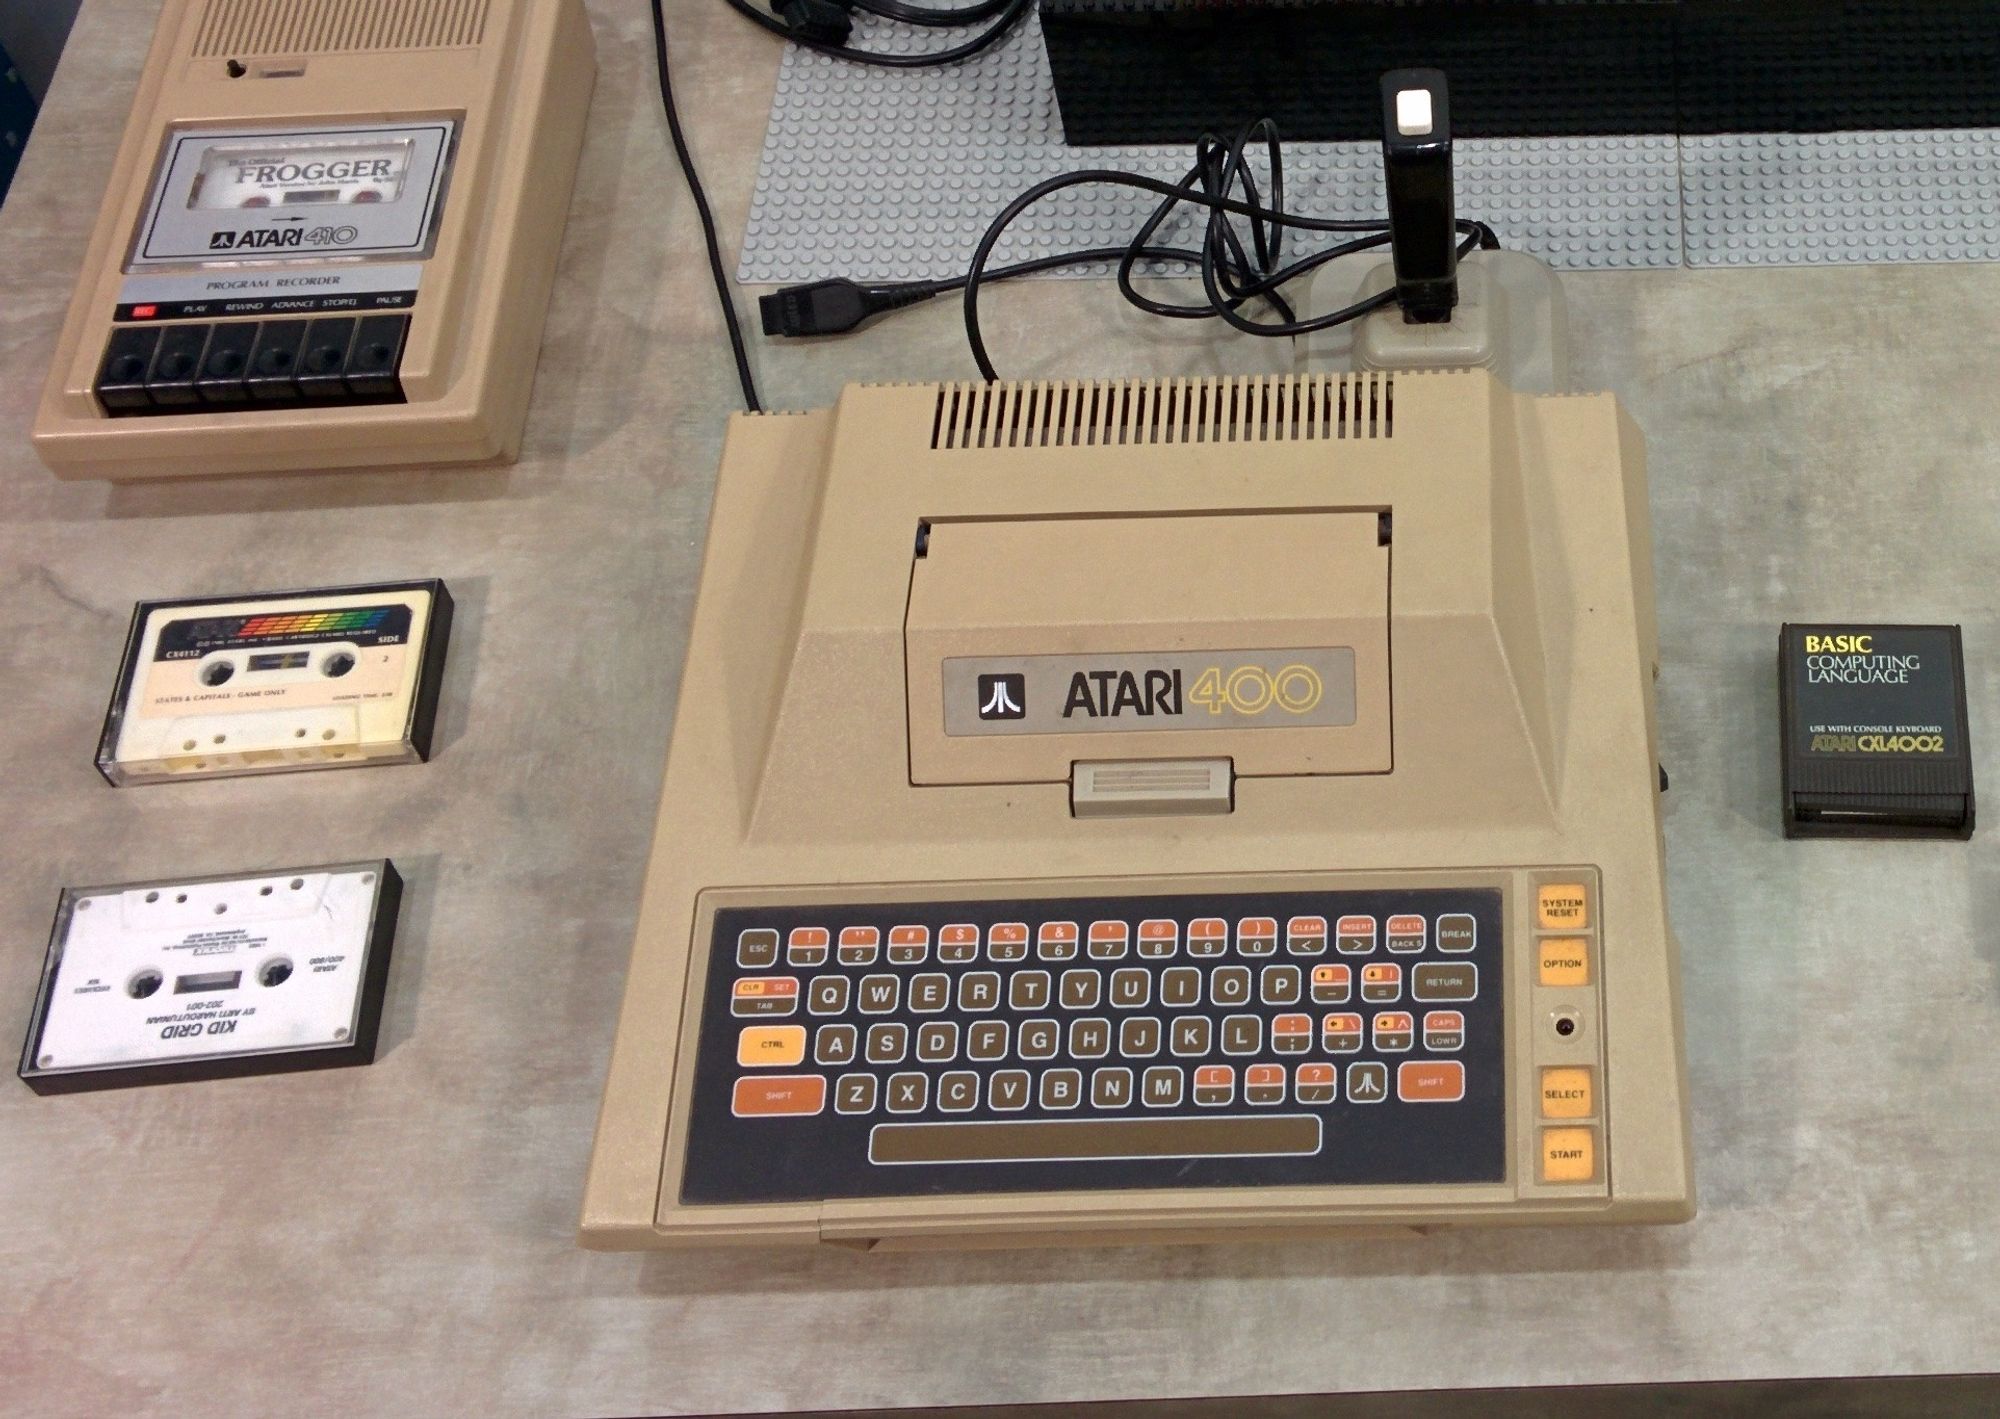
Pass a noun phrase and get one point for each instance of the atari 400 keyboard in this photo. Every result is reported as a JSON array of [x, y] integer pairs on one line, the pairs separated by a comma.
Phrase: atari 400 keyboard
[[1148, 811]]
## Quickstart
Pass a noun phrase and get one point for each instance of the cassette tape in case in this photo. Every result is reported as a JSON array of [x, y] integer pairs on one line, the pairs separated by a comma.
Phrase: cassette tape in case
[[288, 680], [255, 973]]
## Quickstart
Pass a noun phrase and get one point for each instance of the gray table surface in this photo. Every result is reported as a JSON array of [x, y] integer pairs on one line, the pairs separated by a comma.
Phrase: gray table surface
[[399, 1240]]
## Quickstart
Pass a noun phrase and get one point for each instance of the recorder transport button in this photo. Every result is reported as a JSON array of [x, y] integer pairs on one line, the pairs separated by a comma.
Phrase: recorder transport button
[[128, 359], [323, 359], [275, 360], [177, 365], [225, 364], [374, 364]]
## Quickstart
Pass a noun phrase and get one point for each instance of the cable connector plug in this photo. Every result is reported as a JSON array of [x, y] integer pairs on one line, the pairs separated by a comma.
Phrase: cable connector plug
[[822, 21], [833, 307]]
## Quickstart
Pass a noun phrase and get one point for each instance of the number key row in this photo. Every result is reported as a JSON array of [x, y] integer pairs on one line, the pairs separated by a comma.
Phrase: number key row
[[1156, 938]]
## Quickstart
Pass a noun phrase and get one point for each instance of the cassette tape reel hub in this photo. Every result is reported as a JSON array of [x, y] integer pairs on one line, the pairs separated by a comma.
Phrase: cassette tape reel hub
[[328, 241]]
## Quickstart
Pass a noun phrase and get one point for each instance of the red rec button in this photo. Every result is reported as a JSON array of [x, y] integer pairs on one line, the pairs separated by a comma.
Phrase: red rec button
[[144, 312]]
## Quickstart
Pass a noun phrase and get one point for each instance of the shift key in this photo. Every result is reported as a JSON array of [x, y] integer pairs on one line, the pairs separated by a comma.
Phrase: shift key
[[773, 1095]]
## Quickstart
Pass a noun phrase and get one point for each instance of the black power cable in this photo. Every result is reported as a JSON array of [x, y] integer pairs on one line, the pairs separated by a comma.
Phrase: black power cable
[[1234, 272], [823, 26], [722, 291]]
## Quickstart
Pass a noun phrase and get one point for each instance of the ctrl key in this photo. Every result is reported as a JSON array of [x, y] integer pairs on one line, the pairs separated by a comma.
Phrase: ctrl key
[[778, 1095]]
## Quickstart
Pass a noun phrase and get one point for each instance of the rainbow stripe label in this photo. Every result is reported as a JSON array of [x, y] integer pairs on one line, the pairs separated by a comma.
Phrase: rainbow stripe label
[[362, 625]]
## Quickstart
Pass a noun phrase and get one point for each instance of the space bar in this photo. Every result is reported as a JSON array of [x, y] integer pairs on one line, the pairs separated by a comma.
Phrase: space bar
[[1086, 1139]]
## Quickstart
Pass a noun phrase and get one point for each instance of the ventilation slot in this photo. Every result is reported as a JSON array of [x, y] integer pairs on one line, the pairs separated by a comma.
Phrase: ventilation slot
[[241, 29], [1260, 409]]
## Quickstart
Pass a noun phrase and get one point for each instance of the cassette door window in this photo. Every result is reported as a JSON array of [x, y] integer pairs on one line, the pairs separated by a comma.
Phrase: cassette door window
[[234, 194]]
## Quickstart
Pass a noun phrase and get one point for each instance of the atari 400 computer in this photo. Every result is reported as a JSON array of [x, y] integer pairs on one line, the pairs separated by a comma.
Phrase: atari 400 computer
[[1160, 809]]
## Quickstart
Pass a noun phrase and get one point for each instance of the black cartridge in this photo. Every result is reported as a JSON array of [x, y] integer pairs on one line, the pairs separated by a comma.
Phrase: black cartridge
[[1874, 732]]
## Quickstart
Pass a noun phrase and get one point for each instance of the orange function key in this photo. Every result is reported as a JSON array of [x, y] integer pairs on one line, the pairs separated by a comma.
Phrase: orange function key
[[807, 945], [1306, 936], [1569, 1155], [1355, 935], [765, 995], [1562, 906], [909, 945], [1159, 938], [778, 1095], [1563, 960]]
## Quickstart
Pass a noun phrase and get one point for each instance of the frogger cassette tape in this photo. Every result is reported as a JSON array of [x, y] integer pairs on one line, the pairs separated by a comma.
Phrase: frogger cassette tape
[[254, 973], [294, 680], [329, 239]]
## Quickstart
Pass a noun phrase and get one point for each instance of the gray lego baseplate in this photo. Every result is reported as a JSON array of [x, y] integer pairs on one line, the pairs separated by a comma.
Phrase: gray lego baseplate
[[1809, 199], [887, 174]]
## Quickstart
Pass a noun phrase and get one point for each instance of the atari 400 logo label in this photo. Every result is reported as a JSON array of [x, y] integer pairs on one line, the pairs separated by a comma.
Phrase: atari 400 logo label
[[1139, 693], [280, 238]]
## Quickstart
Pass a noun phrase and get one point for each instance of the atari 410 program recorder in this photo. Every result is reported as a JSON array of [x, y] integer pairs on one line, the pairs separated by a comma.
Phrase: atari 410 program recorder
[[328, 242], [1158, 810]]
